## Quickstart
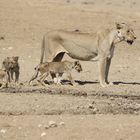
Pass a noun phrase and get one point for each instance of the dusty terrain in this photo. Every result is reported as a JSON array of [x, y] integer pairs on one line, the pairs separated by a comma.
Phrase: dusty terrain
[[83, 112]]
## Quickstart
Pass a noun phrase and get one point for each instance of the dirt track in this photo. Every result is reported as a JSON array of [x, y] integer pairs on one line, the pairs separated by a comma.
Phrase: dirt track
[[88, 111]]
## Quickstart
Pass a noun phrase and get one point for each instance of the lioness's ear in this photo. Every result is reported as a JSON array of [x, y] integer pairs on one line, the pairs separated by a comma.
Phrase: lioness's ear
[[119, 25]]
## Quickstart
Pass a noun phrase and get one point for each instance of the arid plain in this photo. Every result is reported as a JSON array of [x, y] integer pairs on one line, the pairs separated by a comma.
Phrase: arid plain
[[86, 111]]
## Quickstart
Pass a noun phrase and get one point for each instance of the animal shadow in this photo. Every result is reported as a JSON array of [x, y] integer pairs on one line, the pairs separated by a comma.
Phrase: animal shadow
[[80, 82], [126, 83], [67, 82]]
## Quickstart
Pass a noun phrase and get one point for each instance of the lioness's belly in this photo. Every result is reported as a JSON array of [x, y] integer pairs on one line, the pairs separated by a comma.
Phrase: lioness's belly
[[79, 52], [82, 56]]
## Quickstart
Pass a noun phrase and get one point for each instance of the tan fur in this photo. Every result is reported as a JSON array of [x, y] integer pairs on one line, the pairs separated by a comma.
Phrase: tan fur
[[3, 78], [56, 68], [11, 65], [87, 46]]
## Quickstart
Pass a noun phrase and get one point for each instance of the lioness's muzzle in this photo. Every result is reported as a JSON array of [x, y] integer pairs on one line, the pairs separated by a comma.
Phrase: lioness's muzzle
[[130, 42]]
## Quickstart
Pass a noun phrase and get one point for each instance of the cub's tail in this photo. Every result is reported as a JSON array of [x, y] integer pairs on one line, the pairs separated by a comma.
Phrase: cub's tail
[[35, 74]]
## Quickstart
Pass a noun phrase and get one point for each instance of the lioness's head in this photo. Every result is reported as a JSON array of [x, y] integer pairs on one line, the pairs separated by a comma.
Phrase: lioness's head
[[77, 66], [125, 33]]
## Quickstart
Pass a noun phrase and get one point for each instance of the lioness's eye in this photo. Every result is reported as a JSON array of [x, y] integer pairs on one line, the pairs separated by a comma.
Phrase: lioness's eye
[[128, 31]]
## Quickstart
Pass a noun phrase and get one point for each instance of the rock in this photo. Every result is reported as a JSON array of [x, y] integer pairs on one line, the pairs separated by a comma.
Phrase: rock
[[19, 127], [61, 123], [93, 102], [46, 127], [10, 48], [3, 130], [94, 111], [2, 38], [52, 124], [43, 134], [90, 106], [39, 125]]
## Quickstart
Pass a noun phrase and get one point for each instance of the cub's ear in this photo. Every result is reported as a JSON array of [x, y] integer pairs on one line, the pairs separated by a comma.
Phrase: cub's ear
[[76, 62], [3, 62], [46, 64], [16, 58]]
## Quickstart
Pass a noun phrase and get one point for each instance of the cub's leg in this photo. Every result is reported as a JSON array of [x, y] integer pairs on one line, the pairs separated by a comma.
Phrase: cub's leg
[[59, 78], [4, 81], [16, 76], [9, 76], [12, 73], [42, 78], [70, 78]]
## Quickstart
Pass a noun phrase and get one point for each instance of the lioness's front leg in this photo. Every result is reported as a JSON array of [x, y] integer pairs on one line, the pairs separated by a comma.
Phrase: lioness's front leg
[[108, 62], [102, 71]]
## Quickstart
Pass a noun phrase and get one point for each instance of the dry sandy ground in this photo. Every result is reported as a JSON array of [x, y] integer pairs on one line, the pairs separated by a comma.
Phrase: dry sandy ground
[[88, 111], [75, 127]]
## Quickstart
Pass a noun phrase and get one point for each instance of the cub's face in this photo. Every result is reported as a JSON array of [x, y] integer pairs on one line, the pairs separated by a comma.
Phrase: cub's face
[[78, 66], [10, 62], [13, 61]]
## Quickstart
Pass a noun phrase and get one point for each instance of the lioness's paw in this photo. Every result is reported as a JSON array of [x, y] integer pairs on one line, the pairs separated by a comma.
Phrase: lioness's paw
[[105, 85], [111, 83]]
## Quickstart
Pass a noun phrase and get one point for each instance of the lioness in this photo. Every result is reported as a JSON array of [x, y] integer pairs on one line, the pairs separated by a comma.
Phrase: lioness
[[3, 78], [87, 46], [11, 65], [56, 68]]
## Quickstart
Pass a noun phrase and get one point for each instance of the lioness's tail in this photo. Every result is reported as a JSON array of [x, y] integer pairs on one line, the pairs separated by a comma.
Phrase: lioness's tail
[[42, 50], [35, 75]]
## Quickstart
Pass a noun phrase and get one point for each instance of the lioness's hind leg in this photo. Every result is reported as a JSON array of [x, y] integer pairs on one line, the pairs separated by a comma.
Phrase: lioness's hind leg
[[58, 58]]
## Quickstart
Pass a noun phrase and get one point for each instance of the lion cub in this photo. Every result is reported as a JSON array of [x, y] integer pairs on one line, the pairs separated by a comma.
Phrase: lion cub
[[11, 65], [3, 78], [56, 68]]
